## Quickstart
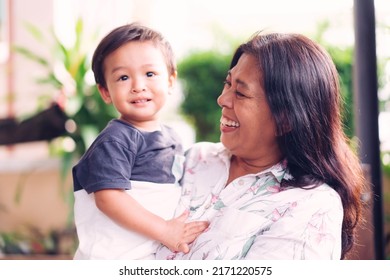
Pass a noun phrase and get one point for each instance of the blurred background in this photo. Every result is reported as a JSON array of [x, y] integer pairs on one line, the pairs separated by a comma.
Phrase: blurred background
[[50, 110]]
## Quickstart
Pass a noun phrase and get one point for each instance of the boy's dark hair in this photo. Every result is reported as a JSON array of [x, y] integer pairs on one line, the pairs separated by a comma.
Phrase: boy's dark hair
[[122, 35]]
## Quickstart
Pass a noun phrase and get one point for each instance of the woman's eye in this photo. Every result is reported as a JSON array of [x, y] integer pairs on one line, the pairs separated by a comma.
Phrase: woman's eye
[[150, 74], [239, 94], [228, 84]]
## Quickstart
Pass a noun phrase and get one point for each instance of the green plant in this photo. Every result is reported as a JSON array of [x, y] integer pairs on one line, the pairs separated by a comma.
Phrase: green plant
[[67, 72], [343, 59], [202, 74], [30, 241]]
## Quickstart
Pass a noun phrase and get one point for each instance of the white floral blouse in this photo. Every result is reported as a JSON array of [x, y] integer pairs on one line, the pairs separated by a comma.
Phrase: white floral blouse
[[252, 218]]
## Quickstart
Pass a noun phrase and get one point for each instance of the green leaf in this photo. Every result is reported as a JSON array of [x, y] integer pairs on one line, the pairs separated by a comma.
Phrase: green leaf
[[79, 31], [30, 55], [34, 31]]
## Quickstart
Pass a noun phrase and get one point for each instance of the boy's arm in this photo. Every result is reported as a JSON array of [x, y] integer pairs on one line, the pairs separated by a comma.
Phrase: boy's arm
[[126, 211]]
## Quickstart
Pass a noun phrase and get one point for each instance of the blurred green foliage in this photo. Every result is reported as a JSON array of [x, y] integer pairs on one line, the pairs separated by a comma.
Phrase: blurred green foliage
[[343, 59], [202, 76], [67, 72]]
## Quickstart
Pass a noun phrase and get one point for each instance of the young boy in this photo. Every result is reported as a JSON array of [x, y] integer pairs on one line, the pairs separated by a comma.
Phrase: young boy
[[125, 185]]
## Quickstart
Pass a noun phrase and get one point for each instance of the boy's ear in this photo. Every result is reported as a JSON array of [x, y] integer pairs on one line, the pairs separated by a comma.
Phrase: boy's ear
[[104, 93], [172, 80]]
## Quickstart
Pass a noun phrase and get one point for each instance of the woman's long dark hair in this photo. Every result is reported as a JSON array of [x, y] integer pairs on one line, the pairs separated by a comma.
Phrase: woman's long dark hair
[[302, 87]]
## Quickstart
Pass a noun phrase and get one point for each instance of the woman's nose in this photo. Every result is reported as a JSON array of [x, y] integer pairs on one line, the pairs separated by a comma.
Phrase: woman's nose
[[224, 100]]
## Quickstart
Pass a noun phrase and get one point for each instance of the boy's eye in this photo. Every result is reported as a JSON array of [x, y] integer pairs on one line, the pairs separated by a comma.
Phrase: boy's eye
[[123, 78], [150, 74]]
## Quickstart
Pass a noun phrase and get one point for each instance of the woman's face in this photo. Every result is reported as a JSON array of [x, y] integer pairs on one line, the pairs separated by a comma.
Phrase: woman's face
[[247, 126]]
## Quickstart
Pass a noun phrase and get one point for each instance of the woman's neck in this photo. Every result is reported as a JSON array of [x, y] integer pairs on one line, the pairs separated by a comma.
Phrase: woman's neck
[[240, 167]]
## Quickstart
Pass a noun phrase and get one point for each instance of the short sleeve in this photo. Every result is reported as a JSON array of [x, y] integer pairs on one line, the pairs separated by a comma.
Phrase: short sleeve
[[107, 165]]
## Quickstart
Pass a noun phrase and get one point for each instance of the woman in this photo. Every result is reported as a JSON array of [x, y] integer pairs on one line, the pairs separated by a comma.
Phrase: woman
[[283, 183]]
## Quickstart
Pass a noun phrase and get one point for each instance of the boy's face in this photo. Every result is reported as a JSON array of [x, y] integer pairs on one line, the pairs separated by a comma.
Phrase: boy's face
[[138, 83]]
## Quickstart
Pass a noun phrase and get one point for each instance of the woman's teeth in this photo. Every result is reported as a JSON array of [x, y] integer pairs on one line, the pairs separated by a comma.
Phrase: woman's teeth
[[227, 122]]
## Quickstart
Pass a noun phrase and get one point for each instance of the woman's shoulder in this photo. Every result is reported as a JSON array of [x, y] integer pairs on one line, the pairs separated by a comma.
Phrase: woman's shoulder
[[323, 195], [206, 148], [209, 146], [325, 189]]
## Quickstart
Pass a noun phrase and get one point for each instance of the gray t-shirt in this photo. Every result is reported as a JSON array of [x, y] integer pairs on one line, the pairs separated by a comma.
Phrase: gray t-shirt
[[122, 153]]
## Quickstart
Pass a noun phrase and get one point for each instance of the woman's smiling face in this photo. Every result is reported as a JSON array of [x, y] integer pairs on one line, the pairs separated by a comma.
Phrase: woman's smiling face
[[247, 127]]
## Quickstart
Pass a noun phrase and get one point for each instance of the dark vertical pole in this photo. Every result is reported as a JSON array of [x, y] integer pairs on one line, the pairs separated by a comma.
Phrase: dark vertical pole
[[366, 110]]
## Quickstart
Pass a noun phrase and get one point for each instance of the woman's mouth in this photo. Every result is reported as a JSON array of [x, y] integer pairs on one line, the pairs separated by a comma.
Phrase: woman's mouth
[[229, 123]]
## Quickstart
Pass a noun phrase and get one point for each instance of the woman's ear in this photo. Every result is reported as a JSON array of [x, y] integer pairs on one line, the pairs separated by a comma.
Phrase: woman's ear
[[104, 93], [286, 125]]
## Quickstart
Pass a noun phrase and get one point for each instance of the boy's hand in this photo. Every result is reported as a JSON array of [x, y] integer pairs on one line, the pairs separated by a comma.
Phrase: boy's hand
[[179, 234]]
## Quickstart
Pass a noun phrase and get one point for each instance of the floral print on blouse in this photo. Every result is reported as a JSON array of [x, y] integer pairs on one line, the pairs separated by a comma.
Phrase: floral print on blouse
[[252, 218]]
